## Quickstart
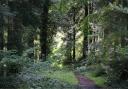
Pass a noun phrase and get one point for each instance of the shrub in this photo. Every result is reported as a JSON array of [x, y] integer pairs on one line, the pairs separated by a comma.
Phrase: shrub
[[7, 53], [39, 76], [118, 69], [13, 63]]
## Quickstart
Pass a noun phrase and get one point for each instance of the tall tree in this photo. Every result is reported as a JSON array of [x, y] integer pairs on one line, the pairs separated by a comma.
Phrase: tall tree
[[85, 41], [44, 29], [74, 34]]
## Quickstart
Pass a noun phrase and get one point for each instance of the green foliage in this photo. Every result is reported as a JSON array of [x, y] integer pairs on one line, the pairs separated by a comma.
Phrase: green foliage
[[113, 58], [13, 63], [29, 53], [43, 75], [99, 70], [60, 26], [99, 80], [8, 53], [118, 69]]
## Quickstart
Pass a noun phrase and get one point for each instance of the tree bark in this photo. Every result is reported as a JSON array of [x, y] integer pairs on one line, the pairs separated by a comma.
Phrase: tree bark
[[74, 38], [1, 35], [85, 41], [44, 28], [15, 34], [74, 34]]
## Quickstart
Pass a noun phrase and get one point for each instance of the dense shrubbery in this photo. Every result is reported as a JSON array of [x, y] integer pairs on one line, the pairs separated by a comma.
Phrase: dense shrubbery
[[38, 76], [12, 62], [7, 53], [31, 75], [91, 32], [112, 65], [118, 69], [35, 75]]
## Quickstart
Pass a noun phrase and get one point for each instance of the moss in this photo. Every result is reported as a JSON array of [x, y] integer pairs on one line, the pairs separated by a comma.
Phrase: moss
[[99, 80], [62, 75]]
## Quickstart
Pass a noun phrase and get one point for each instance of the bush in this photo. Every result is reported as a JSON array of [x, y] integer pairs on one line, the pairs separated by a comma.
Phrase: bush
[[118, 69], [13, 63], [98, 70], [39, 76], [81, 69], [7, 53]]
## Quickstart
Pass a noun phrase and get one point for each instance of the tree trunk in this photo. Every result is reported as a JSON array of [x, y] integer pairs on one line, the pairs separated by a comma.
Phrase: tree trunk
[[5, 36], [1, 36], [37, 46], [15, 35], [85, 41], [74, 37], [1, 40], [44, 28]]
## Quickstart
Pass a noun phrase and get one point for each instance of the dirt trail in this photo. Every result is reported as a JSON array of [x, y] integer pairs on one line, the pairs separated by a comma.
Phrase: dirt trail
[[85, 83]]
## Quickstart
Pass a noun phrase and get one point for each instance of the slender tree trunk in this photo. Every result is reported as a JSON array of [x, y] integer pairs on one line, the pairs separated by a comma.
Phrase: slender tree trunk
[[85, 46], [1, 40], [5, 36], [37, 46], [1, 37], [5, 30], [44, 28], [74, 44], [74, 38], [85, 41]]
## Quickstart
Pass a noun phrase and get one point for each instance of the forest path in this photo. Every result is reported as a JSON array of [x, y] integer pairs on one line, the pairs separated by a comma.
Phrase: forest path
[[85, 83]]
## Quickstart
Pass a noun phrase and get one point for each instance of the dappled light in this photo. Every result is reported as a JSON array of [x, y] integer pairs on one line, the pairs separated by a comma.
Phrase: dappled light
[[63, 44]]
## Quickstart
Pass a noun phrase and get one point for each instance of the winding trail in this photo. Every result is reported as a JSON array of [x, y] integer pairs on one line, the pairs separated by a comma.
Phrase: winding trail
[[85, 83]]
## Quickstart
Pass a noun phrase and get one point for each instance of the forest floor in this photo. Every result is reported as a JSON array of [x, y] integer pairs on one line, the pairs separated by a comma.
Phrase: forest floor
[[85, 83]]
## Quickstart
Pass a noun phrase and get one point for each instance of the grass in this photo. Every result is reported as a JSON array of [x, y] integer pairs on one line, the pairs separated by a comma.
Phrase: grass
[[99, 80], [66, 76], [62, 75]]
